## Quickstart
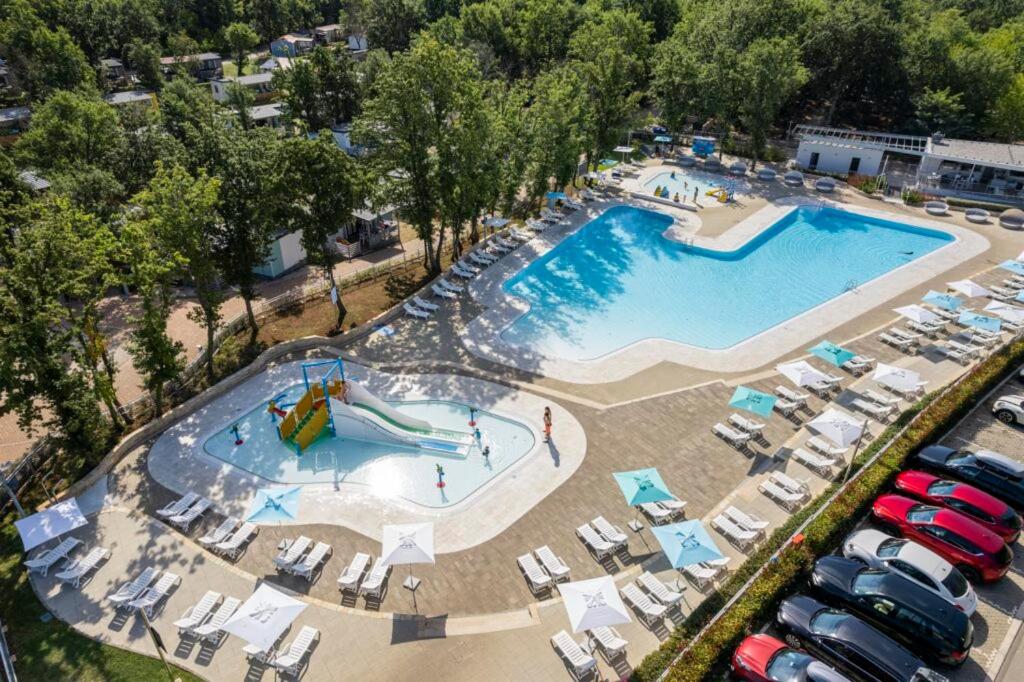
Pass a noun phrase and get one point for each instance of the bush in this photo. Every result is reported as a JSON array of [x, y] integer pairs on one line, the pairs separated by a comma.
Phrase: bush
[[709, 654], [743, 148], [913, 198], [867, 183]]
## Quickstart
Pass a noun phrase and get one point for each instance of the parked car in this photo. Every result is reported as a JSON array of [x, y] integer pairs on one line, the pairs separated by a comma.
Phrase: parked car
[[849, 643], [992, 472], [914, 562], [984, 509], [977, 552], [1009, 409], [928, 623], [762, 658]]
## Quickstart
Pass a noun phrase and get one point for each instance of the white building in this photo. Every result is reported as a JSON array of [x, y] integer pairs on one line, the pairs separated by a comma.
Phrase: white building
[[260, 84]]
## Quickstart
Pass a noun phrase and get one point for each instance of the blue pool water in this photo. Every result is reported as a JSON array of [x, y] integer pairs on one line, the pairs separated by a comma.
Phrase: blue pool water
[[386, 469], [684, 182], [618, 280]]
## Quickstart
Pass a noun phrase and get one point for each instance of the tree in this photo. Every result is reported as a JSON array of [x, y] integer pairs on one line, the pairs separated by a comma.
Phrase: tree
[[145, 59], [320, 90], [556, 131], [156, 356], [678, 82], [390, 24], [940, 111], [326, 186], [71, 130], [181, 210], [240, 100], [1006, 120], [769, 73], [52, 61], [240, 39]]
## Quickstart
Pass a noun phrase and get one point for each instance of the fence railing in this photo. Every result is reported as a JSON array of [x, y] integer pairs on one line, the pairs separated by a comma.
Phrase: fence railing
[[6, 658]]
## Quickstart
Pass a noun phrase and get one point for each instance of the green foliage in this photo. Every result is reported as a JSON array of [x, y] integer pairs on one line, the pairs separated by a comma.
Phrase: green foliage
[[320, 90], [70, 130], [940, 110], [1006, 119], [240, 38], [391, 24]]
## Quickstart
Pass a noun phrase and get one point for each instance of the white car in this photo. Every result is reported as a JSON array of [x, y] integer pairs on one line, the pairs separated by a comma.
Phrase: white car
[[913, 562], [1009, 409]]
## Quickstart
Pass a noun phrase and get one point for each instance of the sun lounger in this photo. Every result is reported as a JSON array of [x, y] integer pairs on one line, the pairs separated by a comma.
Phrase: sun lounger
[[700, 575], [738, 536], [610, 532], [746, 519], [536, 225], [535, 576], [719, 566], [477, 258], [233, 546], [42, 563], [151, 598], [786, 407], [376, 580], [1001, 293], [824, 387], [858, 364], [552, 563], [426, 305], [588, 195], [947, 315], [76, 571], [290, 663], [674, 505], [254, 654], [210, 631], [930, 330], [442, 292], [819, 464], [954, 354], [580, 662], [876, 397], [966, 349], [881, 413], [735, 438], [415, 312], [610, 641], [504, 243], [292, 553], [130, 590], [197, 613], [825, 447], [980, 339], [749, 425], [454, 288], [902, 344], [191, 515], [790, 483], [787, 498], [650, 613], [220, 533], [597, 545], [1013, 285], [307, 567], [550, 216], [656, 513], [791, 395], [659, 590], [914, 392], [520, 235], [905, 334], [349, 579], [495, 245], [462, 272], [178, 506]]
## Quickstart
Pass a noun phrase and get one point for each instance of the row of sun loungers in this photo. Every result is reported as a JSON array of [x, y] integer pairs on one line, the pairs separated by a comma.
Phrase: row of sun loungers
[[43, 562], [185, 511], [602, 538], [352, 578], [785, 490], [295, 560], [138, 594], [75, 571], [541, 576]]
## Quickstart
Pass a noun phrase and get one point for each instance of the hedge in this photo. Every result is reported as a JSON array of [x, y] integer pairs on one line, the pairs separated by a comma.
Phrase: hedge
[[928, 420]]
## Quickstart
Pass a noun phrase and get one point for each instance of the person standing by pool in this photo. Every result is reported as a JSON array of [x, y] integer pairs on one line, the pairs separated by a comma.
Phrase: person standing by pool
[[547, 424]]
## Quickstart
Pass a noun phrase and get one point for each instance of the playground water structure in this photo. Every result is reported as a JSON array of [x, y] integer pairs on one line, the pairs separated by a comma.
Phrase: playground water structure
[[684, 181], [392, 448]]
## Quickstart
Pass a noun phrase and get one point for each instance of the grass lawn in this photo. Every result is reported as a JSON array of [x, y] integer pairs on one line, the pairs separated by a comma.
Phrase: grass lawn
[[53, 651], [231, 71]]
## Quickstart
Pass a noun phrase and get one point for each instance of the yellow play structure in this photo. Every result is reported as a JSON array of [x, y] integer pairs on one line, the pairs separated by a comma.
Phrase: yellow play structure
[[719, 193], [304, 423]]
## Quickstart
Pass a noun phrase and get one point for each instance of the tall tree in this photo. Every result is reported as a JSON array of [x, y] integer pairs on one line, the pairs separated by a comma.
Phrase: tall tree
[[240, 39], [390, 24], [71, 130], [327, 188], [320, 90], [557, 131], [181, 210], [769, 73]]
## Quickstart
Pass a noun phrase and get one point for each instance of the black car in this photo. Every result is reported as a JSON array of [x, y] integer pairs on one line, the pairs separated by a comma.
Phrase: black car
[[848, 643], [990, 471], [929, 624]]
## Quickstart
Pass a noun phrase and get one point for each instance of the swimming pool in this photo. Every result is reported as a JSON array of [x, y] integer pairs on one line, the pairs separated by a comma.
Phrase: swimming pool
[[617, 280], [386, 469], [684, 182]]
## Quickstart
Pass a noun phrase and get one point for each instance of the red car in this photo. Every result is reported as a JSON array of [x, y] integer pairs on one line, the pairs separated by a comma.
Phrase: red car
[[761, 658], [984, 509], [979, 553]]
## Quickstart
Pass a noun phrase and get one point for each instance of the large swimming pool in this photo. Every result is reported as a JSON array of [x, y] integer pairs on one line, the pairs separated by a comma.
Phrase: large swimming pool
[[383, 469], [617, 280]]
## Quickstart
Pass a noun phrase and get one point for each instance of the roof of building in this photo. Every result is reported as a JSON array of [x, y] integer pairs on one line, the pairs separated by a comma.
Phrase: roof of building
[[129, 97], [201, 57], [14, 114], [294, 37], [984, 153], [254, 79], [329, 27], [111, 61], [35, 182], [368, 213], [262, 112]]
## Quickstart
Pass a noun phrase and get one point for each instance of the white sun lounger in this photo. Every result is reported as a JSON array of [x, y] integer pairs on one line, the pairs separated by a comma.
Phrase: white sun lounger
[[233, 546], [825, 447], [210, 631], [520, 235], [859, 364], [980, 339], [191, 515], [610, 641], [788, 499], [426, 305], [151, 598], [594, 542], [718, 565], [967, 349], [197, 613], [178, 506], [820, 464], [290, 663], [786, 407], [792, 396], [549, 216], [790, 483], [442, 292], [674, 505], [349, 579], [535, 576], [588, 195], [1002, 293], [307, 567], [220, 533], [746, 519], [494, 245], [42, 563], [895, 342], [75, 571], [580, 662], [655, 512], [486, 255], [415, 312], [700, 575], [931, 330], [462, 272], [876, 397], [749, 425], [954, 354], [501, 241], [947, 315], [535, 224], [659, 590], [880, 412], [552, 563], [914, 392], [610, 532], [477, 258], [454, 288], [741, 537], [130, 590], [732, 436], [650, 613], [375, 581], [292, 553], [906, 334]]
